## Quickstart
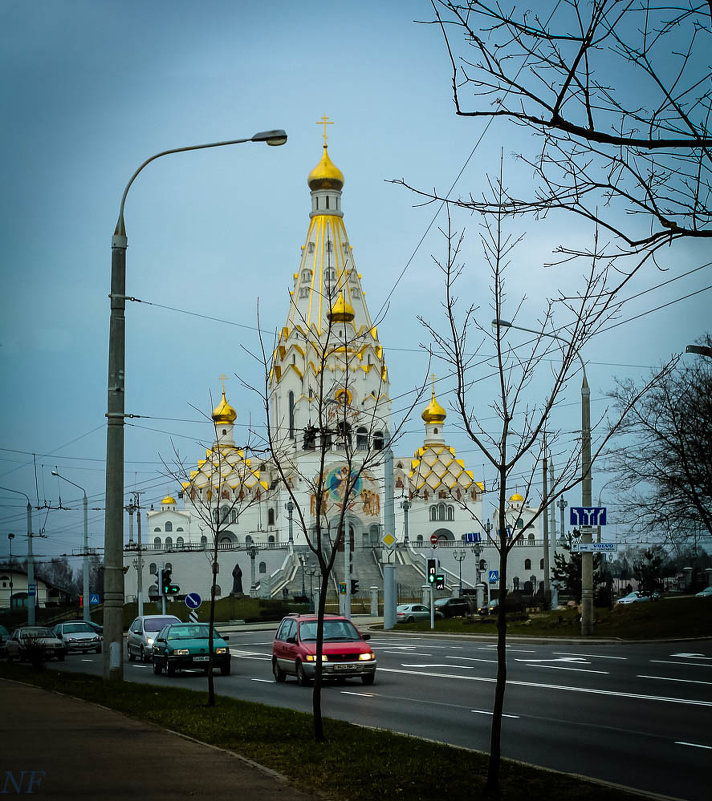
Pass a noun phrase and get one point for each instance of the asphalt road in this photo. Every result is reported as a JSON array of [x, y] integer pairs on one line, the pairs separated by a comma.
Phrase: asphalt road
[[639, 715]]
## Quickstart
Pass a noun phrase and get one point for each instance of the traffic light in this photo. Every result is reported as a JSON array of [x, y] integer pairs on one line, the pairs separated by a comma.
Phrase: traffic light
[[166, 587], [432, 569], [439, 581], [354, 586]]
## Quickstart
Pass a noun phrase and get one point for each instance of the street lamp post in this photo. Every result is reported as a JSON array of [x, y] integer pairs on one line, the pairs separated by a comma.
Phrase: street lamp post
[[459, 556], [289, 506], [113, 530], [31, 599], [85, 578], [10, 538], [406, 508], [586, 531]]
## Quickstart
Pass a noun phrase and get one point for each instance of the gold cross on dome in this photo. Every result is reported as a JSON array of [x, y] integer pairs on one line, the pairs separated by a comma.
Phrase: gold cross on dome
[[223, 378], [324, 121], [432, 378]]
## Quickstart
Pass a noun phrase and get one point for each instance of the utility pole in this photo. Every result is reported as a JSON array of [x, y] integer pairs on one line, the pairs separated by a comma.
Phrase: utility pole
[[31, 599], [545, 527], [139, 579]]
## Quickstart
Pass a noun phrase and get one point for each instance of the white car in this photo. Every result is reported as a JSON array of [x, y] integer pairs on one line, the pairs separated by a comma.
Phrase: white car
[[706, 593], [142, 632], [409, 613], [78, 636], [633, 598]]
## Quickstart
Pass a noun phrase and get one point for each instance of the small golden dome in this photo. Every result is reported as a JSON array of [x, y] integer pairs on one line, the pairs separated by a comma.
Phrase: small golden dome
[[516, 498], [434, 412], [224, 413], [341, 311], [325, 175], [167, 501]]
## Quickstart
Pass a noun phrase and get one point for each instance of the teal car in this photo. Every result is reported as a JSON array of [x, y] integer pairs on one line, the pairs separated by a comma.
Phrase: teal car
[[186, 645]]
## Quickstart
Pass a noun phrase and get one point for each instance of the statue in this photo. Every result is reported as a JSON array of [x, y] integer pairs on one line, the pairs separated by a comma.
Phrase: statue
[[236, 580]]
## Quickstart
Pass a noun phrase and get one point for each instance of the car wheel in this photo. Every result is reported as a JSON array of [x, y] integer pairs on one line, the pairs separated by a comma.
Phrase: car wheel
[[410, 619], [142, 655], [129, 654], [225, 669], [98, 649], [60, 657], [301, 675], [368, 678], [157, 669], [170, 668], [279, 674]]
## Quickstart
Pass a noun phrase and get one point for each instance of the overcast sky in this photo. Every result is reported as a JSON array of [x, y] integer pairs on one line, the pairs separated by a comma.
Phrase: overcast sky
[[91, 88]]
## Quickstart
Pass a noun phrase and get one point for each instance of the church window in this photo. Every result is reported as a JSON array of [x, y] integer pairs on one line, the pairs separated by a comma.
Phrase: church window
[[157, 529], [307, 275], [291, 414], [354, 292], [435, 430], [327, 204], [169, 542], [483, 564], [270, 517], [169, 526], [515, 582], [311, 248], [362, 438], [233, 516], [309, 438], [378, 440], [180, 528], [270, 539], [441, 511], [248, 540], [304, 292], [329, 246], [520, 523], [317, 202], [419, 539], [180, 542], [203, 541], [225, 511], [433, 512], [541, 564], [450, 513], [156, 542], [262, 567], [216, 515], [527, 564], [152, 569], [531, 539]]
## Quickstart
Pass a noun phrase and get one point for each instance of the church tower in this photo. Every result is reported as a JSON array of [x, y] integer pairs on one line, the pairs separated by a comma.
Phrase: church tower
[[328, 376]]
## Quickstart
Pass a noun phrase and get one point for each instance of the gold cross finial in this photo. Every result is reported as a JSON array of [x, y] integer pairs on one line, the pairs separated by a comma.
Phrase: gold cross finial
[[324, 121], [223, 378], [432, 378]]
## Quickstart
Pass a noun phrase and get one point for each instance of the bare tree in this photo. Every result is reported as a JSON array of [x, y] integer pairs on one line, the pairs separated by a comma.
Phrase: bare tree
[[663, 454], [618, 98], [526, 385], [223, 487], [344, 446]]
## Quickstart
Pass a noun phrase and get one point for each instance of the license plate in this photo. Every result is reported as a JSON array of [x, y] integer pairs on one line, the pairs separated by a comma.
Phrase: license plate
[[201, 659], [345, 667]]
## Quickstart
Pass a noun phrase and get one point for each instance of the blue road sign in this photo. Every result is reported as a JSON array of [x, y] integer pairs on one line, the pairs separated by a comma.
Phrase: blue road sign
[[32, 589], [94, 598], [588, 516], [193, 600], [493, 576], [473, 536]]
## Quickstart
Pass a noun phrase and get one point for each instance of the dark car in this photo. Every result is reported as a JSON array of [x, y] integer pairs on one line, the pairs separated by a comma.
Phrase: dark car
[[187, 645], [345, 652], [4, 637], [452, 607]]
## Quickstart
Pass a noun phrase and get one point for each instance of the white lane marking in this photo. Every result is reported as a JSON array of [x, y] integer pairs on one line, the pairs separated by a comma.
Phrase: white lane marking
[[264, 681], [473, 659], [509, 650], [362, 695], [249, 655], [484, 712], [694, 745], [87, 660], [577, 659], [563, 687], [670, 678], [408, 653], [590, 656], [577, 670], [668, 662], [429, 665], [692, 656]]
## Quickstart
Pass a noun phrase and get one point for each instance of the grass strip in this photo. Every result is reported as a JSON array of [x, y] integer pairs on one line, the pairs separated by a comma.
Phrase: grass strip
[[353, 764]]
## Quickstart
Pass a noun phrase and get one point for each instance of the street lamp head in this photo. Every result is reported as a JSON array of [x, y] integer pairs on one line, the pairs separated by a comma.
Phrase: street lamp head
[[501, 323], [700, 350], [55, 473], [11, 537], [273, 138]]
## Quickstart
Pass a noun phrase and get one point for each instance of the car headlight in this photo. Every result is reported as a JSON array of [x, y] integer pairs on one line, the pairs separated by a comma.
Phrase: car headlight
[[181, 652], [221, 650], [366, 657], [312, 658], [149, 640]]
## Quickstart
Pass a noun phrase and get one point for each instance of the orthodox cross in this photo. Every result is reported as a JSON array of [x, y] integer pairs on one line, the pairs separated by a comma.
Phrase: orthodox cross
[[223, 378], [324, 121]]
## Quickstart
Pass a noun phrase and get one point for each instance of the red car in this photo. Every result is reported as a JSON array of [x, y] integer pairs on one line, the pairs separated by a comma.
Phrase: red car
[[345, 652]]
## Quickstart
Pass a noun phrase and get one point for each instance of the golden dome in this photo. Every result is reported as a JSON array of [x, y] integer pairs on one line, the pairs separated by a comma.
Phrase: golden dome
[[325, 175], [341, 311], [434, 412], [224, 413], [167, 501], [516, 498]]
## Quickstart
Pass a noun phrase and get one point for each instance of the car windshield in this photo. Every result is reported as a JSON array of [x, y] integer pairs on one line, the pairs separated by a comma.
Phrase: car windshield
[[190, 632], [73, 628], [37, 631], [157, 623], [333, 630]]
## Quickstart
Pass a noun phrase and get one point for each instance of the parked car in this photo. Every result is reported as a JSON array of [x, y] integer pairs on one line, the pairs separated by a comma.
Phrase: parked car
[[489, 608], [142, 633], [4, 636], [633, 598], [187, 645], [452, 607], [95, 626], [345, 652], [706, 593], [409, 613], [25, 641], [78, 636]]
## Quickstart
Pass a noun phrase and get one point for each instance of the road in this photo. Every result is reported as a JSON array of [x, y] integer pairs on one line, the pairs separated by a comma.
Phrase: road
[[639, 715]]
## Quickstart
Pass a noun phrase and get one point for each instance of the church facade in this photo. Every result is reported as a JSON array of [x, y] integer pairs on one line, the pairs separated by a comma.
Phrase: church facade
[[329, 414]]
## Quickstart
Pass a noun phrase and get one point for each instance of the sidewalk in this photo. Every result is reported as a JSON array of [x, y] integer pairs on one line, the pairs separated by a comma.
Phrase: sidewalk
[[71, 749]]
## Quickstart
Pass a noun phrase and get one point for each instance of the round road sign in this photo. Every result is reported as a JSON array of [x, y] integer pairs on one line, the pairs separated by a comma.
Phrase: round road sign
[[433, 539]]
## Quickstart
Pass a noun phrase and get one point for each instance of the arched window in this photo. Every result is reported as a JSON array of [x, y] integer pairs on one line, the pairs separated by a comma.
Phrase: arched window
[[248, 540], [225, 512], [450, 513], [541, 564], [262, 567], [169, 542], [270, 539], [270, 517], [168, 526], [233, 516], [157, 529], [419, 539], [483, 564], [433, 512], [362, 439], [152, 569], [180, 528], [515, 582], [216, 515], [168, 566], [218, 591], [531, 539], [527, 564], [179, 543], [156, 542], [291, 413], [203, 541], [378, 440], [441, 511]]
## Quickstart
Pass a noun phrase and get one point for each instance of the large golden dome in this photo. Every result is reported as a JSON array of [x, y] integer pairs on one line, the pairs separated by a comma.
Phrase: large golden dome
[[434, 412], [341, 311], [223, 412], [325, 175]]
